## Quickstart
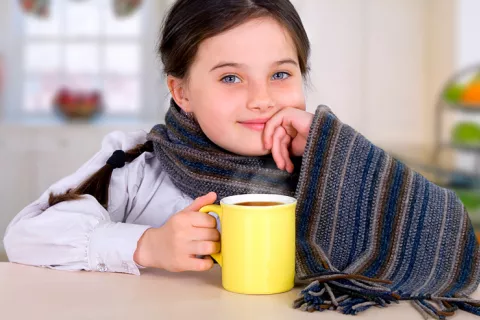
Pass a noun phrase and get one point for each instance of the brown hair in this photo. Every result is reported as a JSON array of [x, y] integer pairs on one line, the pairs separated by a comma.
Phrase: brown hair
[[97, 184], [187, 24]]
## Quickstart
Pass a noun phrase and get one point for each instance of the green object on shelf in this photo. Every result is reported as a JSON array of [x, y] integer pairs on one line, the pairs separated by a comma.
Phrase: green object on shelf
[[453, 93], [470, 199], [467, 133]]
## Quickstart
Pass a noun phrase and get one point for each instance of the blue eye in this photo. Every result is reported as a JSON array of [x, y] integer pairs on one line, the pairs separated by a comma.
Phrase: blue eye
[[231, 79], [280, 76]]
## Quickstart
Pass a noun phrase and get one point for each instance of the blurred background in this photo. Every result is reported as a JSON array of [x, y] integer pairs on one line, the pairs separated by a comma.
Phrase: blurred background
[[405, 73]]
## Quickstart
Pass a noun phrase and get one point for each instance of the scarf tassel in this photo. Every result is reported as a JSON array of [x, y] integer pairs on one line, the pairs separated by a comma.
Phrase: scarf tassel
[[472, 307], [352, 296], [443, 307], [348, 296]]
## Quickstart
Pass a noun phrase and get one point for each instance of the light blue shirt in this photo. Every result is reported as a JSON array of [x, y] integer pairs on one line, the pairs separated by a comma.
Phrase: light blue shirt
[[82, 235]]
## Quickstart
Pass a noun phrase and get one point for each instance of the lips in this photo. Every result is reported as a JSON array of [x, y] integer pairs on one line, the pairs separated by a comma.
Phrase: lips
[[256, 124]]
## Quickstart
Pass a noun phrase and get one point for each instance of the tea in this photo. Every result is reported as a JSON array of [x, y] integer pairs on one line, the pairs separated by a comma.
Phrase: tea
[[258, 203]]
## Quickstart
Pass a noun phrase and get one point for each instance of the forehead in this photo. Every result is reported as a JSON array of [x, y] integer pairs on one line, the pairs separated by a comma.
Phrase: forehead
[[254, 41]]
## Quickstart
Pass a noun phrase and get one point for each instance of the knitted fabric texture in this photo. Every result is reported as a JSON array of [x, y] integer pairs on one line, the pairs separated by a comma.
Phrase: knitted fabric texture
[[369, 230]]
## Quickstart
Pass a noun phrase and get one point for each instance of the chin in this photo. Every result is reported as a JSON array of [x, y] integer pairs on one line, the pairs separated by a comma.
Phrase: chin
[[244, 145], [251, 152], [245, 149]]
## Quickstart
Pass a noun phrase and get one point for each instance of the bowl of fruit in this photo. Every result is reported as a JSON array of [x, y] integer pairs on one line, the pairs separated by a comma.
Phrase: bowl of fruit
[[78, 105], [464, 92]]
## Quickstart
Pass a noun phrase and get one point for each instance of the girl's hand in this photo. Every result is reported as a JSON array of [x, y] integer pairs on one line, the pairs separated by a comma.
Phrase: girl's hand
[[286, 134], [186, 234]]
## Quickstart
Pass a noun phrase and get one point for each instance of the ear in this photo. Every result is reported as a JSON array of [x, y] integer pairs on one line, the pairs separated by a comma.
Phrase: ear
[[179, 92]]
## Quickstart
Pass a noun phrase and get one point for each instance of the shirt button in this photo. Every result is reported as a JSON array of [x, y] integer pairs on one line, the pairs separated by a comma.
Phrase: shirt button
[[102, 267]]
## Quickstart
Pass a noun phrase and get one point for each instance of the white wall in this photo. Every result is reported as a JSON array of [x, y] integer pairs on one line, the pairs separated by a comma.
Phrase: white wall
[[377, 63], [394, 66], [3, 21], [4, 9], [467, 53], [468, 26]]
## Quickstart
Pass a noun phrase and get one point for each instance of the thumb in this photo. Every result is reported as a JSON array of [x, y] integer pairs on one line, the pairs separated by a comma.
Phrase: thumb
[[202, 201]]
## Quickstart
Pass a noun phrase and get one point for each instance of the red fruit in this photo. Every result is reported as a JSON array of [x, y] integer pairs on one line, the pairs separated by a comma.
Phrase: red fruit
[[27, 5], [62, 96], [91, 100]]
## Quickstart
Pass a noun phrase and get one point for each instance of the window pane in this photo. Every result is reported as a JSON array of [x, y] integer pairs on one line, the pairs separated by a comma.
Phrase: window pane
[[82, 58], [42, 57], [82, 18], [38, 93], [35, 26], [82, 83], [122, 94], [120, 26], [122, 59]]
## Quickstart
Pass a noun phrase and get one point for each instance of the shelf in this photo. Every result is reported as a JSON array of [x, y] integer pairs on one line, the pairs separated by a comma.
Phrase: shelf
[[466, 184], [449, 178], [462, 107], [459, 146], [474, 218]]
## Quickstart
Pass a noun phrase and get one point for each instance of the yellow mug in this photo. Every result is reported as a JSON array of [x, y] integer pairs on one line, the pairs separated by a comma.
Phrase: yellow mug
[[257, 242]]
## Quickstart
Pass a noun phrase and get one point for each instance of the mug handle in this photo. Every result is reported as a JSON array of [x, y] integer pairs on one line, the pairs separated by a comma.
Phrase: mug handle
[[218, 210]]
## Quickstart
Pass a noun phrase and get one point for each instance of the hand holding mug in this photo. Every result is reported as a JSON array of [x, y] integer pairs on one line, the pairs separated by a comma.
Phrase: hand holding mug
[[175, 245]]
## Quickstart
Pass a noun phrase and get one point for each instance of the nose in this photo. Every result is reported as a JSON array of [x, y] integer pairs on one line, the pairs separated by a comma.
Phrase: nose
[[259, 97]]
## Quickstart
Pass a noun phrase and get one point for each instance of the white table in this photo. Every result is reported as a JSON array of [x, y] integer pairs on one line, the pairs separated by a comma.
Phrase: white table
[[38, 293]]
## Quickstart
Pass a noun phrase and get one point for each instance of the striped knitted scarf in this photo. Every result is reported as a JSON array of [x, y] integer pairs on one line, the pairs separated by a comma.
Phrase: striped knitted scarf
[[370, 231]]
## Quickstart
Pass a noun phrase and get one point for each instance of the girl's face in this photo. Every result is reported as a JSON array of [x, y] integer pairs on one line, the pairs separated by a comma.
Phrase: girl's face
[[238, 81]]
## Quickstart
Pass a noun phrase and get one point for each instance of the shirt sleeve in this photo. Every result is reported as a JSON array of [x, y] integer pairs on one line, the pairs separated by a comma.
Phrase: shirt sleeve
[[80, 234]]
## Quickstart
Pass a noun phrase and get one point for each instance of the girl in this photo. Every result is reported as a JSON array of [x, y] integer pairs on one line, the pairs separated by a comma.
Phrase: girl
[[369, 230], [237, 68]]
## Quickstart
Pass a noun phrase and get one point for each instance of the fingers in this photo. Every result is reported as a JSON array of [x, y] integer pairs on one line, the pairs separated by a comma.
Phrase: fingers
[[279, 133], [204, 247], [280, 150], [202, 201], [276, 148], [196, 264], [285, 118], [205, 234], [284, 146], [295, 121], [202, 220], [270, 129]]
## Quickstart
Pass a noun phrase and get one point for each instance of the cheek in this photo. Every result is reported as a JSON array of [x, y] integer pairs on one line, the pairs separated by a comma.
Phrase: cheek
[[211, 97], [290, 96], [216, 118]]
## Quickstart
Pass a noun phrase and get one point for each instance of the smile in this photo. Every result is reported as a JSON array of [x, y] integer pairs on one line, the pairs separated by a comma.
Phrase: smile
[[254, 126]]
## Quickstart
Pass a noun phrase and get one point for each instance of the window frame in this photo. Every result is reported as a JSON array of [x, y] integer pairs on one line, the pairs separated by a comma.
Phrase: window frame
[[153, 92]]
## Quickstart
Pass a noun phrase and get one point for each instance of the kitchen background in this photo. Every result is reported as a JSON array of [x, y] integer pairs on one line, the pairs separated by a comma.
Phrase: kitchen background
[[402, 72]]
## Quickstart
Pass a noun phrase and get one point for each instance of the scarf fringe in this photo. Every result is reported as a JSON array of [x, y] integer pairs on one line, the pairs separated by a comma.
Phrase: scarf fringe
[[471, 307], [352, 296], [349, 296]]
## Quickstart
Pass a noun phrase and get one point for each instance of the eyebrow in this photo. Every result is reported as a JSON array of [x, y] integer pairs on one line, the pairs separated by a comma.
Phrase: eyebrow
[[238, 65], [286, 61], [227, 64]]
